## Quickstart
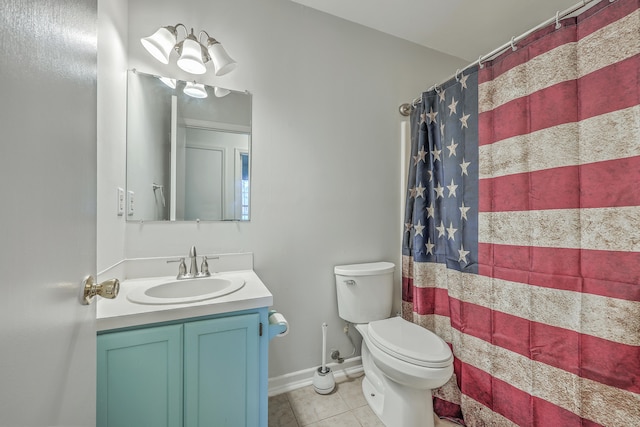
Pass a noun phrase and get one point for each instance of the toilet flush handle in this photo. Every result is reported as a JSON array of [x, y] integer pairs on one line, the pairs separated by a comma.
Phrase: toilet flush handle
[[350, 282]]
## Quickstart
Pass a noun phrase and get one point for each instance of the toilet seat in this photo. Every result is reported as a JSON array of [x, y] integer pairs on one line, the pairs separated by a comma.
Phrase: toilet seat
[[410, 342]]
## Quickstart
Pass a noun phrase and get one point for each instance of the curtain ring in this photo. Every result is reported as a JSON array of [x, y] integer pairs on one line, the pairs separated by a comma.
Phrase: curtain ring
[[558, 26], [436, 88], [480, 64], [457, 72], [513, 44]]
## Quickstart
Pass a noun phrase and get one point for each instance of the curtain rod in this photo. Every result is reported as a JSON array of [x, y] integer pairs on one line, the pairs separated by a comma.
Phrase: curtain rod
[[405, 109]]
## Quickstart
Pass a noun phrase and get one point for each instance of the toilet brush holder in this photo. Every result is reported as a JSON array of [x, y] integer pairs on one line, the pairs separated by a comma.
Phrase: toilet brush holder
[[323, 381]]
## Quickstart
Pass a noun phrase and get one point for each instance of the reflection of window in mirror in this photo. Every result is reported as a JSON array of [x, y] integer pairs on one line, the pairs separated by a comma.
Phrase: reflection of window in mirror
[[245, 186]]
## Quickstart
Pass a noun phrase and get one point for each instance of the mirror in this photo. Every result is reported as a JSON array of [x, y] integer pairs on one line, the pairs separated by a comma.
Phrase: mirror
[[188, 158]]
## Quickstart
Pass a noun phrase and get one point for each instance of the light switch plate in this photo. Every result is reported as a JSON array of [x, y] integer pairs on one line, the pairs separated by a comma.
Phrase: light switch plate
[[120, 208], [130, 198]]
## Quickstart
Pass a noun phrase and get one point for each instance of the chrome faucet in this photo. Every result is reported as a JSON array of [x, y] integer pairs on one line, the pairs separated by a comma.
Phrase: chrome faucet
[[193, 270]]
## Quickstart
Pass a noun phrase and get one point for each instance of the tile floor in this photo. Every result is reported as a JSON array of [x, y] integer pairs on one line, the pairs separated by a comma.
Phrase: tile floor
[[344, 407]]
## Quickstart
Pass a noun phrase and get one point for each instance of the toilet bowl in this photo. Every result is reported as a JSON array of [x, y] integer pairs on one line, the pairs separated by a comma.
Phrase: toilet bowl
[[397, 388], [402, 361]]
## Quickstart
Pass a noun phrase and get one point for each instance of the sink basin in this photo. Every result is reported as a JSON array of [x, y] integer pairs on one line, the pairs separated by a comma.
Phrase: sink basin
[[185, 290]]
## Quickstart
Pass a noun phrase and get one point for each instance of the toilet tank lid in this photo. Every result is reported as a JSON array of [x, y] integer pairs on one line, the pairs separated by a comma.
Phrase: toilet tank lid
[[366, 269]]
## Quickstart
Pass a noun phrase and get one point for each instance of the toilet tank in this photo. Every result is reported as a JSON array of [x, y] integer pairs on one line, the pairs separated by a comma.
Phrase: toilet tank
[[365, 291]]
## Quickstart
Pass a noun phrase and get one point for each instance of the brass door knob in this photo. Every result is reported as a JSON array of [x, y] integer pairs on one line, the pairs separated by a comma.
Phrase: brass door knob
[[107, 289]]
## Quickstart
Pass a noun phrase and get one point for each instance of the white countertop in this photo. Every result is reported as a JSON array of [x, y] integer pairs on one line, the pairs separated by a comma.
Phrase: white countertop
[[121, 313]]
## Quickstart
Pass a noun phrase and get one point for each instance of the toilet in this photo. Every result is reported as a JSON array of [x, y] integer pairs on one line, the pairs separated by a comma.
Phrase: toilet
[[402, 361]]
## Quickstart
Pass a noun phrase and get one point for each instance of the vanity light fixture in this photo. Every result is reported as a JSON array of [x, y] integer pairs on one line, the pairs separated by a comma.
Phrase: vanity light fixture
[[195, 90], [193, 54]]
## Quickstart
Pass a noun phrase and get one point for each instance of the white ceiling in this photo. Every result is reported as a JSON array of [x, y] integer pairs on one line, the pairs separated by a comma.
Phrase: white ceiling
[[463, 28]]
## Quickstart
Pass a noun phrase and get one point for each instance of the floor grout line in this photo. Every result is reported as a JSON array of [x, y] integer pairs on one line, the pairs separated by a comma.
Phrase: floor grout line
[[306, 408]]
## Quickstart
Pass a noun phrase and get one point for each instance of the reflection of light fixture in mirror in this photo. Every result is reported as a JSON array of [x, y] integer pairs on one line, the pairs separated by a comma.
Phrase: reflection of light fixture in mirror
[[195, 90], [221, 92], [193, 54], [169, 82]]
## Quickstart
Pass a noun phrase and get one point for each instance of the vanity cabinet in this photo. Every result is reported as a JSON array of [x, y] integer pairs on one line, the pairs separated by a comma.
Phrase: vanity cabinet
[[221, 365], [196, 373], [140, 378]]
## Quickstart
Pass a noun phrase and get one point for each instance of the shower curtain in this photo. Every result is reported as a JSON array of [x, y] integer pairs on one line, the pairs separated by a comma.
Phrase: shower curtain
[[522, 227]]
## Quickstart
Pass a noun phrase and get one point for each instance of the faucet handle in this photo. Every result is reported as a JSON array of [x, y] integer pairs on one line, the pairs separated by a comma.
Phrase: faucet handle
[[182, 268], [204, 268]]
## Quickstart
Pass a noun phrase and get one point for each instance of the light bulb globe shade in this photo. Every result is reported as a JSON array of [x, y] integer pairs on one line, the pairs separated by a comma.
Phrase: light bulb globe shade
[[160, 44], [195, 90], [191, 57], [221, 92], [168, 81], [222, 62]]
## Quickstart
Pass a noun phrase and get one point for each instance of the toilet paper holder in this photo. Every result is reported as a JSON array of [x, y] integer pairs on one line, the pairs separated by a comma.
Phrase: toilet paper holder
[[278, 325]]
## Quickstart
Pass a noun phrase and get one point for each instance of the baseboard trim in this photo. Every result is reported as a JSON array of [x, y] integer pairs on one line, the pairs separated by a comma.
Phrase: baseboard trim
[[303, 378]]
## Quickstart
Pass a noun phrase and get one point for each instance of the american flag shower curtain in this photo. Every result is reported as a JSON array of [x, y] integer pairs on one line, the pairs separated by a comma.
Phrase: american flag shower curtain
[[522, 227]]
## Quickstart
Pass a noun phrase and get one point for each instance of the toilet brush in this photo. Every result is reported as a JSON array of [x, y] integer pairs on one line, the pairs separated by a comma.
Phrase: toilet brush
[[323, 381]]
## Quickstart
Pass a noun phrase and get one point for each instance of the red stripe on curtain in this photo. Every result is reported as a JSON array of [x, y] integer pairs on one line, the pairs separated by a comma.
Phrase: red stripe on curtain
[[407, 289], [569, 187], [446, 409], [551, 108], [597, 180], [611, 274], [426, 299]]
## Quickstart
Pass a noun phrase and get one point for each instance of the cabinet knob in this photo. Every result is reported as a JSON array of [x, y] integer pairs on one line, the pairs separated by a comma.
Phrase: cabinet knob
[[107, 289]]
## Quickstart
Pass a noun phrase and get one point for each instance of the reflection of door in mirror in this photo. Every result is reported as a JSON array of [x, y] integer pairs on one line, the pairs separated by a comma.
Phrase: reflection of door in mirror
[[204, 181], [211, 174]]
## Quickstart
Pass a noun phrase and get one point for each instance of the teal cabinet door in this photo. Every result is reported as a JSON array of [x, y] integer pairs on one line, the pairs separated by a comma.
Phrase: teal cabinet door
[[221, 372], [140, 378]]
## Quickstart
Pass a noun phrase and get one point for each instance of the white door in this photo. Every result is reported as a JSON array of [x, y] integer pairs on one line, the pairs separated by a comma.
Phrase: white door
[[204, 180], [48, 211]]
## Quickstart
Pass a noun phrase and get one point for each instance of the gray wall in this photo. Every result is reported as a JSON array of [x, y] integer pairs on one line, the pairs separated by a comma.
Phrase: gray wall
[[326, 152], [112, 128]]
